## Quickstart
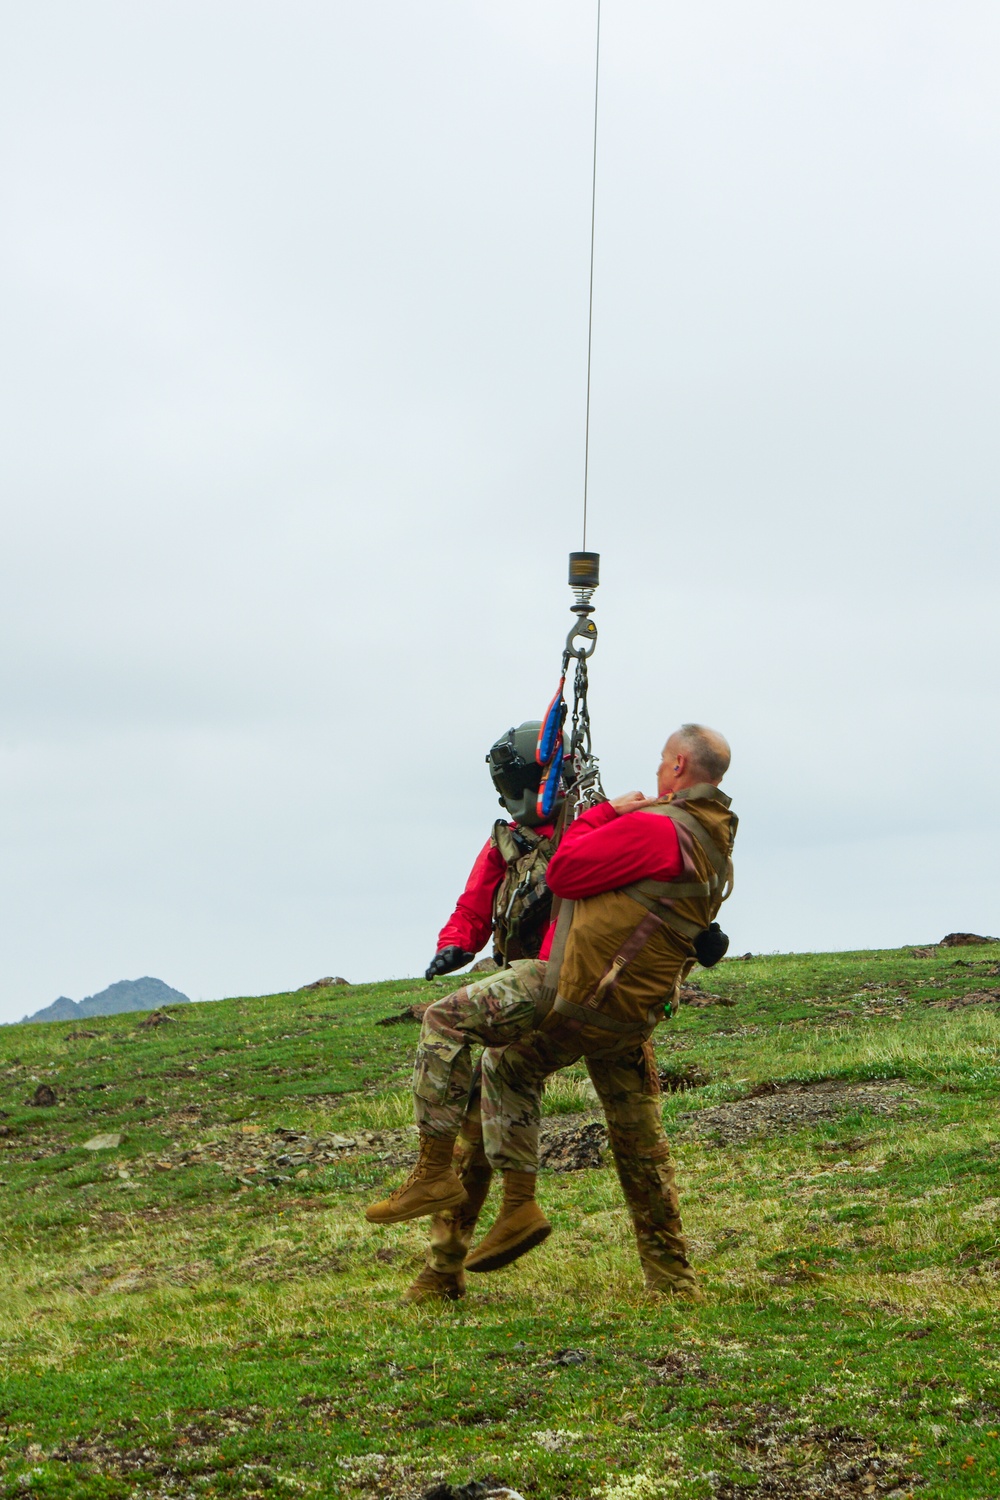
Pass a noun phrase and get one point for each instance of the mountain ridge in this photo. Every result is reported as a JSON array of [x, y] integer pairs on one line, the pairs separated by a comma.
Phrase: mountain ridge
[[146, 993]]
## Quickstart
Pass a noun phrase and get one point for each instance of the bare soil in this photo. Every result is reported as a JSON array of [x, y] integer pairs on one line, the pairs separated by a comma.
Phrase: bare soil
[[776, 1107]]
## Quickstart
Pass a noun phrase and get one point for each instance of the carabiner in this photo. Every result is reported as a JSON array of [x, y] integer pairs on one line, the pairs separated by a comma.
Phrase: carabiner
[[586, 630]]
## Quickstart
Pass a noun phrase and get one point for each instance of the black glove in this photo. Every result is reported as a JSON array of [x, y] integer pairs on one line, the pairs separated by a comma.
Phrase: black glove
[[710, 945], [447, 960]]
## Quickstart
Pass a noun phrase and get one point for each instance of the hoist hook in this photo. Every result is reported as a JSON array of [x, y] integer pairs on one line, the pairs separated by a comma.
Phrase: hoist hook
[[584, 576], [586, 631]]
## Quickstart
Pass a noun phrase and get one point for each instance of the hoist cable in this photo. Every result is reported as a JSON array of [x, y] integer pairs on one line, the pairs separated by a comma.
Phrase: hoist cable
[[590, 312], [581, 776]]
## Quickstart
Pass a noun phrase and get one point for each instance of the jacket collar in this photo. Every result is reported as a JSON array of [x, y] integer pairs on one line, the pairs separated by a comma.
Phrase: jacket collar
[[703, 792]]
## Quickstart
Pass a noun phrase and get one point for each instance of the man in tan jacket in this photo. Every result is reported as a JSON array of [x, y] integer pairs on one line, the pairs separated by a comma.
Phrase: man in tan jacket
[[640, 880]]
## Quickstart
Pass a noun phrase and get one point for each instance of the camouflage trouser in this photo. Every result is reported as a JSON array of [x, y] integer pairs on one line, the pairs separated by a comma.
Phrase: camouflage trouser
[[495, 1011], [453, 1229], [500, 1012]]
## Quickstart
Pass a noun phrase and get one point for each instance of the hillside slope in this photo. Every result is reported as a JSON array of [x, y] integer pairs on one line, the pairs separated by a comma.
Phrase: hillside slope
[[196, 1306]]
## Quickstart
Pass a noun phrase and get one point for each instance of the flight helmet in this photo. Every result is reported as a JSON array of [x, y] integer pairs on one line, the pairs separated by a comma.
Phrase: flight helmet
[[516, 773]]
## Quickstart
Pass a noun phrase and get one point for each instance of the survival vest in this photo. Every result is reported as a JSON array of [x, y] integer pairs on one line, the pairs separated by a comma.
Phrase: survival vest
[[615, 968], [523, 902]]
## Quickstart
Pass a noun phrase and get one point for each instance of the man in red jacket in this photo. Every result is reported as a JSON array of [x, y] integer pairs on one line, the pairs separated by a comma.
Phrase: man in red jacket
[[608, 853], [506, 899]]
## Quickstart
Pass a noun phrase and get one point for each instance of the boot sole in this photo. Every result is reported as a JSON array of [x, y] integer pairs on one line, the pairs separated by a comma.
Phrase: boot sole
[[427, 1211], [511, 1253]]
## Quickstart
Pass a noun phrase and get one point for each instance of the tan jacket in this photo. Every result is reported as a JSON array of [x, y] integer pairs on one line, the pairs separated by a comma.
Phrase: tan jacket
[[627, 950]]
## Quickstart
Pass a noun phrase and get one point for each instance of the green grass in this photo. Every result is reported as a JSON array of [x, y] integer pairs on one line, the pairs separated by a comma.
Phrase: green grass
[[175, 1322]]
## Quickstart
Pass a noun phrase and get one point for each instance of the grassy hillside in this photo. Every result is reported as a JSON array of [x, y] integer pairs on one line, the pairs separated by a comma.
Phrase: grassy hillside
[[202, 1310]]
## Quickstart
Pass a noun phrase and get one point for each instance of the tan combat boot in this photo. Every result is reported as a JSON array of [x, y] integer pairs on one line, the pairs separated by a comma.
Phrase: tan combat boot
[[443, 1278], [666, 1278], [436, 1286], [431, 1186], [519, 1227]]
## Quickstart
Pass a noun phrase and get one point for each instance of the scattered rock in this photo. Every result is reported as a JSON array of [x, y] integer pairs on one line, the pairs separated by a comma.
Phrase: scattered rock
[[78, 1036], [776, 1106], [44, 1097], [924, 953], [476, 1489], [575, 1149], [155, 1018], [693, 994], [102, 1142], [485, 966], [965, 940], [322, 984]]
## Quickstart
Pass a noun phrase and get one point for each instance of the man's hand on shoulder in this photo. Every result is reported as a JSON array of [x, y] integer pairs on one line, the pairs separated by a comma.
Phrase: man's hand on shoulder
[[446, 961], [631, 802]]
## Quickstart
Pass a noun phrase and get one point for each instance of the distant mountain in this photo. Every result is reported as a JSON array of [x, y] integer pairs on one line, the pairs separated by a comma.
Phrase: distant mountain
[[127, 994]]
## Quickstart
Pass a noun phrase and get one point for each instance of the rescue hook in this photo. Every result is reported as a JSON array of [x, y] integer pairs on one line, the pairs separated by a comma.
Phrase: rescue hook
[[584, 576]]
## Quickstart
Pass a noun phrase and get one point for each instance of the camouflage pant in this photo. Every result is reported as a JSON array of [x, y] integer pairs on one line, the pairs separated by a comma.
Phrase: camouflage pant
[[501, 1012], [495, 1011]]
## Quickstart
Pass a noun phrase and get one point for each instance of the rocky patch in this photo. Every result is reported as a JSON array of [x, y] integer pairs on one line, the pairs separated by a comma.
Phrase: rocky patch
[[693, 994], [990, 996], [817, 1463], [774, 1107]]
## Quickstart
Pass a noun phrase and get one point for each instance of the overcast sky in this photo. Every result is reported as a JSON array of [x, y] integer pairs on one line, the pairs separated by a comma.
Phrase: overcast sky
[[293, 362]]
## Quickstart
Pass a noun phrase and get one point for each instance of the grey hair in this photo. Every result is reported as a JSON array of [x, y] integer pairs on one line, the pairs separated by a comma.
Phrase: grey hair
[[707, 750]]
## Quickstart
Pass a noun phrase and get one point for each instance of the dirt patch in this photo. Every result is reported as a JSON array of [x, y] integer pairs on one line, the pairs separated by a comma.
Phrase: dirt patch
[[195, 1439], [823, 1463], [105, 1457], [404, 1017], [255, 1157], [965, 940], [44, 1097], [775, 1107], [676, 1366], [989, 996], [574, 1149]]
